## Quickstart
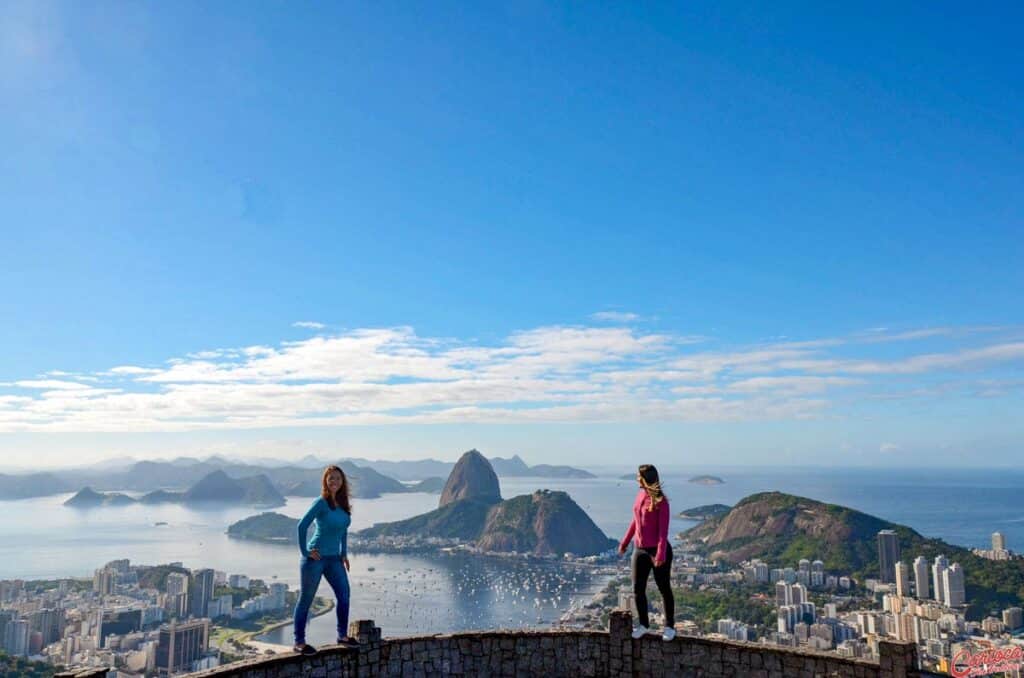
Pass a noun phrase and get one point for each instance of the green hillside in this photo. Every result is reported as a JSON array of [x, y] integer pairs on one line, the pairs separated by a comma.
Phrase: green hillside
[[781, 529]]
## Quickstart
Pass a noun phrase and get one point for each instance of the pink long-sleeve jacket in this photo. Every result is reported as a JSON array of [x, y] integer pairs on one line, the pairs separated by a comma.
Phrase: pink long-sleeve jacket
[[649, 529]]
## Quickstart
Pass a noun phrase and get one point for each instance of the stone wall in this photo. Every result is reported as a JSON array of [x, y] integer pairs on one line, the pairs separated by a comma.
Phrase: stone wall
[[83, 673], [567, 653]]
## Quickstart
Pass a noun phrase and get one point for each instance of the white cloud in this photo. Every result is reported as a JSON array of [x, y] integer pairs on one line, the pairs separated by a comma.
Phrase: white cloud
[[800, 384], [309, 325], [551, 373], [48, 384], [888, 448], [132, 370], [957, 360], [881, 334], [614, 316]]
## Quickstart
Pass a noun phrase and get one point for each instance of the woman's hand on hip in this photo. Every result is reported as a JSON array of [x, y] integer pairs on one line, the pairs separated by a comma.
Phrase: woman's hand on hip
[[314, 554]]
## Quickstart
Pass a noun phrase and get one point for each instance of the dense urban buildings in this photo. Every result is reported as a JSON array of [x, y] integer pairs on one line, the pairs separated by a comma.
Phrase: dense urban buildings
[[145, 620]]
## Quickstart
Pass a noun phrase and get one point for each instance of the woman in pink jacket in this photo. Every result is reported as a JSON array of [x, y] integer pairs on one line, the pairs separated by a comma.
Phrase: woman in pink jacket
[[651, 551]]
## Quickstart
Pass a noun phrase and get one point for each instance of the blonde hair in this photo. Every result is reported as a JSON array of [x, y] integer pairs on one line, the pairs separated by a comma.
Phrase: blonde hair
[[651, 483]]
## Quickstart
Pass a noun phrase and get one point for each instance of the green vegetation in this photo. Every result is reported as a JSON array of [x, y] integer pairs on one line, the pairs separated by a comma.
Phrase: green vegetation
[[707, 607], [272, 527], [462, 519], [156, 577], [40, 585], [235, 632], [238, 595], [19, 667], [543, 522], [705, 512]]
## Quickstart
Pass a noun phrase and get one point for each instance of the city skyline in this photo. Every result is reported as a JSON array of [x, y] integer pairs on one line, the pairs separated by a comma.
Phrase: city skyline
[[561, 232]]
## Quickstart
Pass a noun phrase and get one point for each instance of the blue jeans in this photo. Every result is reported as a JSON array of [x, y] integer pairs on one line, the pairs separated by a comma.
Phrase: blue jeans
[[333, 569]]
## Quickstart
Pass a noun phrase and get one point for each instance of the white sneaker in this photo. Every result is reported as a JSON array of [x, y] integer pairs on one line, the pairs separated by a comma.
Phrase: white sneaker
[[640, 631], [668, 634]]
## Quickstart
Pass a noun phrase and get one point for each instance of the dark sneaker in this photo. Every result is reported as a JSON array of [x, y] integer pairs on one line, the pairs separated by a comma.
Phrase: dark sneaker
[[348, 642], [304, 648]]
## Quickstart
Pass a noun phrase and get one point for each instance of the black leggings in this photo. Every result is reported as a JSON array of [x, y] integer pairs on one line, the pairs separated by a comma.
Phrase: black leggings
[[643, 563]]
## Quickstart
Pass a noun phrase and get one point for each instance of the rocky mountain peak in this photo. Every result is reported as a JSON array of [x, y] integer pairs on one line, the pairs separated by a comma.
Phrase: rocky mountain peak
[[472, 478]]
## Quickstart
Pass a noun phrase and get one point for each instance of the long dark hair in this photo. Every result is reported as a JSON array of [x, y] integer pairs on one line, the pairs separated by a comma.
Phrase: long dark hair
[[651, 483], [341, 497]]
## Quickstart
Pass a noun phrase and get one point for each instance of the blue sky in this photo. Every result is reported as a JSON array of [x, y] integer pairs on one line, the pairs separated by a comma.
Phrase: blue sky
[[561, 230]]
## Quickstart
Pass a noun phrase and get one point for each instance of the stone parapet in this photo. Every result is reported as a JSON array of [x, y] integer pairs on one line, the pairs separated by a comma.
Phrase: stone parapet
[[595, 654], [83, 673]]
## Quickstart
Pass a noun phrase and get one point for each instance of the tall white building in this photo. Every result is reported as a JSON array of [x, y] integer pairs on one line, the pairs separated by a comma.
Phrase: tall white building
[[783, 594], [888, 555], [998, 541], [104, 581], [760, 571], [202, 592], [803, 573], [177, 582], [788, 617], [953, 583], [817, 573], [902, 579], [799, 594], [939, 578], [921, 577]]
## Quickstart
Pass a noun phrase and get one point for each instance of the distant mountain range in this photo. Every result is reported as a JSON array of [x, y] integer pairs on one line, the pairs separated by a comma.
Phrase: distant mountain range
[[513, 467], [216, 487], [32, 485], [164, 480], [780, 529], [369, 479]]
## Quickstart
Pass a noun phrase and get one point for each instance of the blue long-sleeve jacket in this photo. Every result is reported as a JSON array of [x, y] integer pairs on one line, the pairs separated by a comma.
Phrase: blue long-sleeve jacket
[[330, 536]]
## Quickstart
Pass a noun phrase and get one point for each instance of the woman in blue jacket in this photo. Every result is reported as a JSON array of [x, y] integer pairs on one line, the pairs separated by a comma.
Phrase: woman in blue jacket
[[325, 555]]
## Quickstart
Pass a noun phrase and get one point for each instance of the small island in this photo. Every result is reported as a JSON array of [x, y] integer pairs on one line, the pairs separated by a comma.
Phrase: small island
[[706, 480], [89, 498], [269, 527], [705, 512]]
